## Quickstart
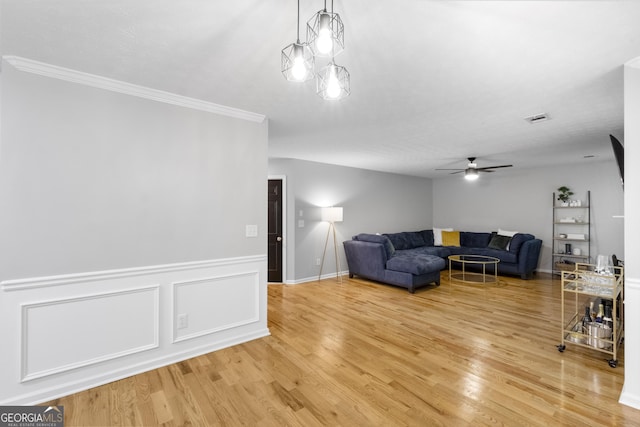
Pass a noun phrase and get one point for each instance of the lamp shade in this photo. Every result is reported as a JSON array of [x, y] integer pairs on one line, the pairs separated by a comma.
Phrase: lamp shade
[[332, 214]]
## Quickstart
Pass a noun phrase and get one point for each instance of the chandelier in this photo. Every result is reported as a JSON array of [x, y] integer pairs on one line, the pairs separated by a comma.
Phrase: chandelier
[[325, 39]]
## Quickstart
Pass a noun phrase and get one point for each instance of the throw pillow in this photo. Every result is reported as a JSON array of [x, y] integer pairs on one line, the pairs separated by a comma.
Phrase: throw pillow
[[507, 233], [498, 241], [450, 238], [437, 235]]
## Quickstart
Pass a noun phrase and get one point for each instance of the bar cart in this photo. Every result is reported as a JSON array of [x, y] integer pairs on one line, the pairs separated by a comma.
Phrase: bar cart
[[586, 286]]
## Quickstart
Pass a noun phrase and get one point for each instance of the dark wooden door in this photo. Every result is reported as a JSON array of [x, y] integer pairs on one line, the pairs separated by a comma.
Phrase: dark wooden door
[[274, 232]]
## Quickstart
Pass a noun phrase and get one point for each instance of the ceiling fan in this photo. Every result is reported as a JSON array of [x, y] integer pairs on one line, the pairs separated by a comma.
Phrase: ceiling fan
[[472, 169]]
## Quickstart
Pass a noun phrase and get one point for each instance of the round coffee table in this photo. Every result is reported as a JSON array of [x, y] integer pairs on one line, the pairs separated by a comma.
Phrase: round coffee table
[[481, 277]]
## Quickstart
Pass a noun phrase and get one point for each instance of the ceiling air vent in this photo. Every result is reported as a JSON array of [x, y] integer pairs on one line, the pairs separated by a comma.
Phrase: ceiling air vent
[[537, 118]]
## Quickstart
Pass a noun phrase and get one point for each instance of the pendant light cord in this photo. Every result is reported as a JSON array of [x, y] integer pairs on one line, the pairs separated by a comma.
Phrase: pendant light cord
[[298, 23], [332, 42]]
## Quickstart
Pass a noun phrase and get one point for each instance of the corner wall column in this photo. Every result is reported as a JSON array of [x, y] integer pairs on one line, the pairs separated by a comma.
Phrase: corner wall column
[[631, 391]]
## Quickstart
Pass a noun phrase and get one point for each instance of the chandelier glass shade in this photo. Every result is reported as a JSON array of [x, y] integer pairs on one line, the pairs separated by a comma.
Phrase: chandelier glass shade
[[297, 62], [333, 82], [325, 34]]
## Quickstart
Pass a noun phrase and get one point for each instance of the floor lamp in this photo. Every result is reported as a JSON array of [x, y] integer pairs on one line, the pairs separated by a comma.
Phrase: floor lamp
[[331, 215]]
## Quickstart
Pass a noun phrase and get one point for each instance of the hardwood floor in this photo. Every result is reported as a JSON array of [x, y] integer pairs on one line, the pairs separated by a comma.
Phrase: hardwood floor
[[365, 354]]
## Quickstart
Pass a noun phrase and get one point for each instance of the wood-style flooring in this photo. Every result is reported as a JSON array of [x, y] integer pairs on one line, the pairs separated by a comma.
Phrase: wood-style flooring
[[366, 354]]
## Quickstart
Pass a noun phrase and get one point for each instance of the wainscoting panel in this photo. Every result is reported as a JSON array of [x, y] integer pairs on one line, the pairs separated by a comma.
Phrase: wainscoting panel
[[64, 334], [106, 326], [630, 395], [215, 304]]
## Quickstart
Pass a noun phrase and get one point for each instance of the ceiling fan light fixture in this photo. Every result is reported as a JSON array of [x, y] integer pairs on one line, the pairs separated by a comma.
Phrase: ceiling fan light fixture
[[471, 174]]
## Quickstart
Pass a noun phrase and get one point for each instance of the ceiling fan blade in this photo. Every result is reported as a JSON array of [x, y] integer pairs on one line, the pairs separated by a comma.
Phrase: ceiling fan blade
[[494, 167], [460, 171], [449, 169]]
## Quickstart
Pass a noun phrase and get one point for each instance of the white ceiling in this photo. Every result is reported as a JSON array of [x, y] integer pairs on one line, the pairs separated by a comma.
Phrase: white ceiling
[[433, 82]]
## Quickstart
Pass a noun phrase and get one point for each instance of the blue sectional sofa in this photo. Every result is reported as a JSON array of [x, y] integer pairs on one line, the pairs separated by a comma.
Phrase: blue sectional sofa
[[411, 260]]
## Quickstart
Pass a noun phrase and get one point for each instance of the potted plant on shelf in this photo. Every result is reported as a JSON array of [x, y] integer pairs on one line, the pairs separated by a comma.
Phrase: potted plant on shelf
[[564, 195]]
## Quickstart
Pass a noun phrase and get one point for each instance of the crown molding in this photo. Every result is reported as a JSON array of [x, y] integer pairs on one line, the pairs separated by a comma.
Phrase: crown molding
[[635, 62], [100, 82]]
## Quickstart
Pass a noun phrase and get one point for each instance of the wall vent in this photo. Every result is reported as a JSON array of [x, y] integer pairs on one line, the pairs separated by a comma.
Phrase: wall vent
[[537, 118]]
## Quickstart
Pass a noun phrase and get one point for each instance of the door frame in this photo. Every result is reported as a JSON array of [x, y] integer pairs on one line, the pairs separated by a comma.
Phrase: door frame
[[283, 178]]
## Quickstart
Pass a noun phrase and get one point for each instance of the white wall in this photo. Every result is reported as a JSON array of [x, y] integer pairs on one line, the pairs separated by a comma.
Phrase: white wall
[[521, 199], [373, 202], [631, 390], [120, 215]]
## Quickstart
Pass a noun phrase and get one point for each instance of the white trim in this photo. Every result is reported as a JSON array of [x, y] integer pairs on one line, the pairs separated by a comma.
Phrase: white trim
[[155, 340], [331, 275], [283, 178], [100, 82], [176, 337], [30, 380], [65, 279], [629, 400], [634, 63], [632, 283]]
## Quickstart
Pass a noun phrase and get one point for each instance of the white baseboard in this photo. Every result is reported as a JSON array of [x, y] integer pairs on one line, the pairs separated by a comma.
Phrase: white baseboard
[[316, 278], [630, 399]]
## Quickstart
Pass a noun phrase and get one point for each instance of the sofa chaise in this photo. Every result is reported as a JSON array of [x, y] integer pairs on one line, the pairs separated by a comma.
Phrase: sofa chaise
[[411, 259]]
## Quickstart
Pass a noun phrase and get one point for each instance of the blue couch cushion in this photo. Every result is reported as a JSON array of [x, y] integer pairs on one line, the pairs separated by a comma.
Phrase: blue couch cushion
[[415, 263], [517, 240], [503, 256], [440, 251], [474, 240], [427, 235], [377, 238], [406, 239]]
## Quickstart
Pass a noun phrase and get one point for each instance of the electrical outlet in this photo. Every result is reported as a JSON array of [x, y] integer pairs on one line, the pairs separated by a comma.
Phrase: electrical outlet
[[318, 261], [183, 321]]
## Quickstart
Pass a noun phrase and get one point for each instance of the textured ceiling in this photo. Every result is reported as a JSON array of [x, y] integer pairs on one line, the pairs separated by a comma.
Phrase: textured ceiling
[[433, 82]]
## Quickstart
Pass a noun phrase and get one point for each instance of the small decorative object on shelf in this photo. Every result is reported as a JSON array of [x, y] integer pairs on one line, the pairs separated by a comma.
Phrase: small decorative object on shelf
[[564, 194]]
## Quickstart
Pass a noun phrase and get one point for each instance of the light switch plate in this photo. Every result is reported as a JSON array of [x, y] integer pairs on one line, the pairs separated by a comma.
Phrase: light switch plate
[[251, 231]]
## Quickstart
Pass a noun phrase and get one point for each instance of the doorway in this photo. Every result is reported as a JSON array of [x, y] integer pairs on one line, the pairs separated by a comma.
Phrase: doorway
[[275, 230]]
